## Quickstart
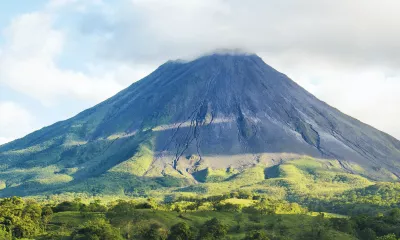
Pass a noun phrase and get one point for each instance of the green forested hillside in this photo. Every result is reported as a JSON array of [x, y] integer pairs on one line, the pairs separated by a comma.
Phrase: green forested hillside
[[239, 215], [320, 185], [300, 199]]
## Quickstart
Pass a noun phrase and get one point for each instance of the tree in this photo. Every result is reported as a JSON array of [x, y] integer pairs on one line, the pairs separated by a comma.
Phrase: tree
[[94, 206], [388, 237], [155, 232], [256, 235], [394, 215], [343, 225], [20, 219], [122, 212], [319, 229], [32, 211], [238, 219], [178, 208], [228, 207], [181, 231], [47, 213], [4, 234], [24, 228], [98, 229], [367, 234], [244, 194], [67, 206], [213, 229]]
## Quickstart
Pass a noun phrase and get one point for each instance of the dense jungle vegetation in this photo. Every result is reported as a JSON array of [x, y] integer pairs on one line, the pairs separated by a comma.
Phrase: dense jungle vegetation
[[238, 215]]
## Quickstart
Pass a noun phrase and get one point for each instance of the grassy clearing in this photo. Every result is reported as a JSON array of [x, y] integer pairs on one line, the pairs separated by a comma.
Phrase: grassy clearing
[[138, 164], [302, 177]]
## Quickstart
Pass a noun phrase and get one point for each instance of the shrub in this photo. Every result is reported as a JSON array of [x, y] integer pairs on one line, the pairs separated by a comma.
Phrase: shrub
[[213, 229], [98, 229], [256, 235], [181, 231]]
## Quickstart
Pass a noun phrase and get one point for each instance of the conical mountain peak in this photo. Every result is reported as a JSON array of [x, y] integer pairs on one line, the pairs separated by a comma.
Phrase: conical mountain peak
[[221, 110]]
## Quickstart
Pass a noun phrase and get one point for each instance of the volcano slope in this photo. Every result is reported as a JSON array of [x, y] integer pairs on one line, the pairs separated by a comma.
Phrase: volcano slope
[[221, 112]]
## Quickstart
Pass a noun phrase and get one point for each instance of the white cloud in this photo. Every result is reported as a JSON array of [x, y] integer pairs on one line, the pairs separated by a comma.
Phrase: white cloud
[[28, 64], [349, 30], [347, 53], [15, 121]]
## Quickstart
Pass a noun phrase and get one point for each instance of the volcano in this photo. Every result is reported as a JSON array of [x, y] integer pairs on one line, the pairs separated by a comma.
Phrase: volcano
[[220, 111]]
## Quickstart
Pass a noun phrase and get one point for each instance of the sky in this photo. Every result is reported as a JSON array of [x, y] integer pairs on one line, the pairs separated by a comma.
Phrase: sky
[[59, 57]]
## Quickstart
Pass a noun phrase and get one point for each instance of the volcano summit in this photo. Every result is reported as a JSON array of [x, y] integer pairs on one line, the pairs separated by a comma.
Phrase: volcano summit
[[221, 111]]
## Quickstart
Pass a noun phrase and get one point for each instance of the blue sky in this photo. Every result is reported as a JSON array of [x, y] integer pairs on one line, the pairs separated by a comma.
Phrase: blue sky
[[10, 9], [59, 57]]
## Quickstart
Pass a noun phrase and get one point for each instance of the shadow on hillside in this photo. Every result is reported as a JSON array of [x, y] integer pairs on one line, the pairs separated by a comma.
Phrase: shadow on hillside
[[110, 183]]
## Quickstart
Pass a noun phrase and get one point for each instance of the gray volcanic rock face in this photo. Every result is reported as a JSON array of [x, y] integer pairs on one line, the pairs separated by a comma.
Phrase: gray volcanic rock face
[[220, 110], [241, 106]]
